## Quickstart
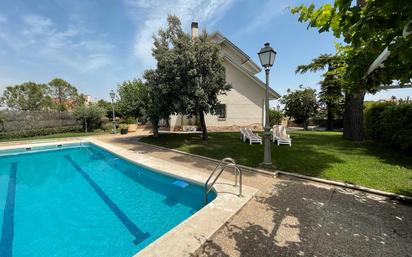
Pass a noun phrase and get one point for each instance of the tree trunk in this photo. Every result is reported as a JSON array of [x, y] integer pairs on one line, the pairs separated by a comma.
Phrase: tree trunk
[[353, 124], [85, 125], [203, 125], [155, 127], [329, 118], [305, 124]]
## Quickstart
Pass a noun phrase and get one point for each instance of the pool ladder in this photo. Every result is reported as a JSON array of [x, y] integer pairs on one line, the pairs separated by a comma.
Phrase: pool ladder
[[223, 164]]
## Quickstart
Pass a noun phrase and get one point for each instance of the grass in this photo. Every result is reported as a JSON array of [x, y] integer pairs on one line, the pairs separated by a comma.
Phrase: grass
[[317, 154], [52, 136]]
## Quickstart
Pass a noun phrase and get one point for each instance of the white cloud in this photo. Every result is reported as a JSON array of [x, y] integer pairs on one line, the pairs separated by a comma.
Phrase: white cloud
[[72, 46], [151, 15]]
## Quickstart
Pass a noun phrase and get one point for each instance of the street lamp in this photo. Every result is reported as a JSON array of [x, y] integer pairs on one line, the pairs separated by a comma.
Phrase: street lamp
[[112, 96], [267, 58]]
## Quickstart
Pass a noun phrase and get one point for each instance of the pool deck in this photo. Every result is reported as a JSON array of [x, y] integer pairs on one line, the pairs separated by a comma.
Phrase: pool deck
[[294, 217]]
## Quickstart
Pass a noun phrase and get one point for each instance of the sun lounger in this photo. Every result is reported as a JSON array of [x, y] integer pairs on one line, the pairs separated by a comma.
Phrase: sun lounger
[[247, 134], [280, 136]]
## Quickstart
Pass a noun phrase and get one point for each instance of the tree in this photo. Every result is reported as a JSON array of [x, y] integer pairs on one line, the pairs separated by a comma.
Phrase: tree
[[89, 115], [64, 94], [331, 86], [131, 94], [28, 96], [161, 92], [367, 28], [2, 120], [154, 106], [206, 75], [300, 104], [108, 107], [189, 73], [275, 117]]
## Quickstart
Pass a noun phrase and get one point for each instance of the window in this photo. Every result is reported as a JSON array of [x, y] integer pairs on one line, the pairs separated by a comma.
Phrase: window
[[221, 111]]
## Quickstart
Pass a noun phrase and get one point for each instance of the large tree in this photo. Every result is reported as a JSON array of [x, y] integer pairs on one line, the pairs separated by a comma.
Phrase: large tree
[[367, 28], [64, 94], [28, 96], [189, 74], [301, 105], [206, 76], [331, 86], [154, 106], [131, 98]]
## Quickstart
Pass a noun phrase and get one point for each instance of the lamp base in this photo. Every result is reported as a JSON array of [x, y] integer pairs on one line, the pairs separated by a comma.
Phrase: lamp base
[[267, 166]]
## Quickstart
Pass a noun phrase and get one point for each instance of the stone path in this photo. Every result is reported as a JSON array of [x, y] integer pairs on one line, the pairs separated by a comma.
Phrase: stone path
[[292, 217]]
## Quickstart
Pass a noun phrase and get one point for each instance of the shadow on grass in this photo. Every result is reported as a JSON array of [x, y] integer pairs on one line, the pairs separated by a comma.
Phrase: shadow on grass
[[299, 219]]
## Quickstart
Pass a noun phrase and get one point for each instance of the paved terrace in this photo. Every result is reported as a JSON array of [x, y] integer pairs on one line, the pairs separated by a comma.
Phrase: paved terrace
[[292, 217]]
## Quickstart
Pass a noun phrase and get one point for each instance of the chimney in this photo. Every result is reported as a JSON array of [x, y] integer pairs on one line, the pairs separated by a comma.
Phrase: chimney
[[195, 30]]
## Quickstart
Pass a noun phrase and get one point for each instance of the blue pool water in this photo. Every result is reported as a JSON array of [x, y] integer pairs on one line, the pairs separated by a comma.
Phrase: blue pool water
[[85, 201]]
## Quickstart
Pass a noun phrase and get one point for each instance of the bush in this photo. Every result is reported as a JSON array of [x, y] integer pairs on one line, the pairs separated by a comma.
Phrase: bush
[[390, 123], [90, 116]]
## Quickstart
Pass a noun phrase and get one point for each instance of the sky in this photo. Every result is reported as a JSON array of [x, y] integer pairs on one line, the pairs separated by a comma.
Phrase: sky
[[97, 44]]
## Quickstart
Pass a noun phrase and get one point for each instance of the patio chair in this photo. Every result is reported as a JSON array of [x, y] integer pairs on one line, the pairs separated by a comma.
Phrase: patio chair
[[280, 136], [247, 134]]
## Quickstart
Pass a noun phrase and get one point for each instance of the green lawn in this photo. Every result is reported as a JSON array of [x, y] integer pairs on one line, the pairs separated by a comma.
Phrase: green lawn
[[318, 154], [52, 136]]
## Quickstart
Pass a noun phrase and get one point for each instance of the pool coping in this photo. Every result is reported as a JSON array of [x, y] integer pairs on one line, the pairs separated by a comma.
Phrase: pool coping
[[187, 237]]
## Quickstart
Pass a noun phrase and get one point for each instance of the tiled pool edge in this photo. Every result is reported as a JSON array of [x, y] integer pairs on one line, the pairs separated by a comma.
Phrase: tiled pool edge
[[187, 237]]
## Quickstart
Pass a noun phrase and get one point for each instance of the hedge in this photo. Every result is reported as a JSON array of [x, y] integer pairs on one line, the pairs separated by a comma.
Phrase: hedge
[[390, 123], [38, 132]]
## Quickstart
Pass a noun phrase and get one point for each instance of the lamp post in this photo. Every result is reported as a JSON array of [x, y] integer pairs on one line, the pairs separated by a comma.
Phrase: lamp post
[[112, 96], [267, 57]]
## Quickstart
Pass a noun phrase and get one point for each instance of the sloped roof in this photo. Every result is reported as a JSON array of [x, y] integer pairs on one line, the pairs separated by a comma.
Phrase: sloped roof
[[246, 58]]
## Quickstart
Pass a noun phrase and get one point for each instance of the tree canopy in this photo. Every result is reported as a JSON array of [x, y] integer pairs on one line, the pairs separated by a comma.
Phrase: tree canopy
[[331, 86], [28, 96], [131, 98], [188, 77], [368, 28], [64, 94], [207, 79], [300, 104]]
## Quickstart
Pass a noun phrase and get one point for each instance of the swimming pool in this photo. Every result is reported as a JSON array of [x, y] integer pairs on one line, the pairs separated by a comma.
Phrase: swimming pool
[[81, 200]]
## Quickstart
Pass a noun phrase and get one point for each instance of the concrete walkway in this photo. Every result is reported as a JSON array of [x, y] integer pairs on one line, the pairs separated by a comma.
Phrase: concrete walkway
[[292, 217]]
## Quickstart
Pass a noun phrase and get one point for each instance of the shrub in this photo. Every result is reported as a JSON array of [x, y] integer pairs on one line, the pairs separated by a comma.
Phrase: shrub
[[38, 132], [390, 123], [90, 116]]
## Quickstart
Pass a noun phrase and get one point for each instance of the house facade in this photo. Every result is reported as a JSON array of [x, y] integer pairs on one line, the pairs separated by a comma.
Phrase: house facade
[[243, 105]]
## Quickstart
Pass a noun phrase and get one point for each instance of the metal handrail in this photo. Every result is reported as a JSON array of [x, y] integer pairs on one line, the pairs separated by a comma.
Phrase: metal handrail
[[228, 162]]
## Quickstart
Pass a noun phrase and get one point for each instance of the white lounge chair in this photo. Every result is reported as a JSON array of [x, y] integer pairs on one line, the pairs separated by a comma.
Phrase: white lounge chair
[[280, 136], [247, 134]]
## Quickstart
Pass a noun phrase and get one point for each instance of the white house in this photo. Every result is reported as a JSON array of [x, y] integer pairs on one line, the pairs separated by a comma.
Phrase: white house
[[243, 104]]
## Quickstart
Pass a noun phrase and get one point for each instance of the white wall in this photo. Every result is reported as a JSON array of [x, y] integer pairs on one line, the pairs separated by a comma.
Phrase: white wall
[[244, 102]]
